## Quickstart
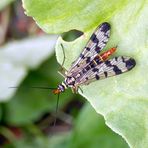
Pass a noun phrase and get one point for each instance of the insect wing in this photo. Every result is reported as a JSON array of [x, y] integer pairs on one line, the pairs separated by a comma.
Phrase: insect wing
[[112, 67], [96, 43]]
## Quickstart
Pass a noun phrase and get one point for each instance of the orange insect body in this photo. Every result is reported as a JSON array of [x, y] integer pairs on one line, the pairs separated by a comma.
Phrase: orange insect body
[[104, 56]]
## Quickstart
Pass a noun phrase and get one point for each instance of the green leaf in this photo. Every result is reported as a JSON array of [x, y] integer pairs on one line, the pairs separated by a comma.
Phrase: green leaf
[[91, 127], [122, 100], [33, 137], [61, 16], [60, 140], [4, 3], [89, 131]]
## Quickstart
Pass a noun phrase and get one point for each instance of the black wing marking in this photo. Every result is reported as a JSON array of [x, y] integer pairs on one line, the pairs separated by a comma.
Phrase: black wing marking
[[112, 67], [96, 43]]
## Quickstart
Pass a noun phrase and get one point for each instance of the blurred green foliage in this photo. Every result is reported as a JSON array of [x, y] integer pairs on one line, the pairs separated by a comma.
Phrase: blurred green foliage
[[61, 16], [90, 131], [29, 104]]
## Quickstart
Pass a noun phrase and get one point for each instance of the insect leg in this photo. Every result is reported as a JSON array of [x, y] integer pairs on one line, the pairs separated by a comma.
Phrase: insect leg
[[63, 55], [62, 70], [75, 89]]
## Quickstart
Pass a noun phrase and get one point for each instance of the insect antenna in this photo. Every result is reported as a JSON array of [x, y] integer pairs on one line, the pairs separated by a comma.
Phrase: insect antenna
[[36, 87], [63, 55], [62, 70], [56, 111]]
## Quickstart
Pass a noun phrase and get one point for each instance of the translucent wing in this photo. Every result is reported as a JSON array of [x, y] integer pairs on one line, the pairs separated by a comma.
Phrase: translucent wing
[[112, 67], [96, 43]]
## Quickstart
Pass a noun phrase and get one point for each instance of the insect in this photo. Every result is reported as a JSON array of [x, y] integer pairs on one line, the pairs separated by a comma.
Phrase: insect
[[91, 65]]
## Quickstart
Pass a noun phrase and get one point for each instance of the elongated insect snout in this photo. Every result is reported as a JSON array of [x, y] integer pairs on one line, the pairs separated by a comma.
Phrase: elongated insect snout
[[56, 91]]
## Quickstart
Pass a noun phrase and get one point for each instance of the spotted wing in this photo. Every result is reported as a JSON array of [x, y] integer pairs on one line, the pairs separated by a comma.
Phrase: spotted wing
[[96, 43], [112, 67]]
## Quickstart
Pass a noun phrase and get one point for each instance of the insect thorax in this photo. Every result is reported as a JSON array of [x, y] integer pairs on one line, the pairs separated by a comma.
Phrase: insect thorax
[[69, 81]]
